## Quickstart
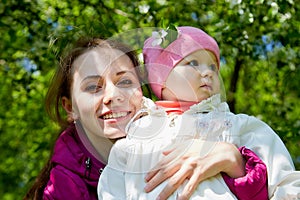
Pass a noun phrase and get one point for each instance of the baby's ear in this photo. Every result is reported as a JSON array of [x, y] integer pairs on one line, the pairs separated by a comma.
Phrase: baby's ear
[[67, 105]]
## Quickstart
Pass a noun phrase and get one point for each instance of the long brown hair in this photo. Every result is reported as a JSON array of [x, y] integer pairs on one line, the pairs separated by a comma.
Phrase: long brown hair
[[61, 87]]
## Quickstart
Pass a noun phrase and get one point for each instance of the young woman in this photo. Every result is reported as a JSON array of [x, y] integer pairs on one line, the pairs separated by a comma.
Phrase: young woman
[[98, 85]]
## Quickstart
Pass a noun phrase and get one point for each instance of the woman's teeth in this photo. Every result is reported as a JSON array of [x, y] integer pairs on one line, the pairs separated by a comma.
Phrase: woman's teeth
[[114, 115]]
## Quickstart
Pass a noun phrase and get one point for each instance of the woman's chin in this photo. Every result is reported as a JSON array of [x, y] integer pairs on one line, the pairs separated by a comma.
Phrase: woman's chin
[[115, 132]]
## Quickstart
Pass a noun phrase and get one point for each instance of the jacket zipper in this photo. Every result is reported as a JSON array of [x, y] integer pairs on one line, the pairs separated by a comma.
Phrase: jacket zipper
[[88, 167]]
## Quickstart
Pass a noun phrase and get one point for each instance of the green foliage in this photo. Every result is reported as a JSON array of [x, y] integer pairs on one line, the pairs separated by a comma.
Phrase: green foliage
[[259, 42]]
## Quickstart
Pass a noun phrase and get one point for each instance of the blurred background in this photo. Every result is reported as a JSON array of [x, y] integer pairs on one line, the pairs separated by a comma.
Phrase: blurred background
[[259, 42]]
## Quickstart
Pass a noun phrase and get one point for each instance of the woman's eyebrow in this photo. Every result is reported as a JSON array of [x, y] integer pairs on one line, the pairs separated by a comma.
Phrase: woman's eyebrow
[[91, 77], [124, 72]]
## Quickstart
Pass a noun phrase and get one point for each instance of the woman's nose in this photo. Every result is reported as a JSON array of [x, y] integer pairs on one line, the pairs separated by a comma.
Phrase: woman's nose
[[112, 94]]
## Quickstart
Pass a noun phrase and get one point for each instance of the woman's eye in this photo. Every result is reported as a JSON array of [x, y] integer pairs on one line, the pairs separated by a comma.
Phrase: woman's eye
[[125, 82], [213, 67], [193, 63], [93, 88]]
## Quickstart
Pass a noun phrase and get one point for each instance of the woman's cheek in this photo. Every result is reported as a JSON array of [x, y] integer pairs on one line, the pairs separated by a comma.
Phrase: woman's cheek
[[137, 97], [139, 93], [88, 104]]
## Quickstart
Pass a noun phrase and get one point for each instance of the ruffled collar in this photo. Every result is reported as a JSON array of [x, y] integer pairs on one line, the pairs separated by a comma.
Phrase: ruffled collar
[[213, 103], [160, 108]]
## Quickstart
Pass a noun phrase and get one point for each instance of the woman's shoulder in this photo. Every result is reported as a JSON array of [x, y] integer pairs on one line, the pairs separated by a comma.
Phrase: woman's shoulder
[[65, 184], [68, 177]]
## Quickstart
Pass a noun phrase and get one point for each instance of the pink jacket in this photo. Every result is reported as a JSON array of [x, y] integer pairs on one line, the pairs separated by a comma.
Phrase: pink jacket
[[253, 185], [75, 173]]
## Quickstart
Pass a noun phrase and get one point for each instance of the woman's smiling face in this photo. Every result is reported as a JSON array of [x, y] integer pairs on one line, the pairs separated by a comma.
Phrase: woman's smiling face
[[106, 92]]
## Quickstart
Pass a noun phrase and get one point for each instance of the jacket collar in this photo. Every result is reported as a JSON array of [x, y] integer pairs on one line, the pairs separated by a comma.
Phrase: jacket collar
[[71, 154]]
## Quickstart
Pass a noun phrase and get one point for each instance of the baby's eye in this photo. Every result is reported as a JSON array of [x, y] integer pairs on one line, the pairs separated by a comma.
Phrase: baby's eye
[[213, 67], [193, 63]]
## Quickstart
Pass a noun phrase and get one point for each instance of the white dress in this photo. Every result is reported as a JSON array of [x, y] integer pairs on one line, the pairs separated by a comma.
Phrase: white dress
[[201, 127]]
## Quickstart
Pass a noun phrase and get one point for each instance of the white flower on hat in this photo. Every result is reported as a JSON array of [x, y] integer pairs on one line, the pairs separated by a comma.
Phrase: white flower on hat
[[165, 37], [159, 37]]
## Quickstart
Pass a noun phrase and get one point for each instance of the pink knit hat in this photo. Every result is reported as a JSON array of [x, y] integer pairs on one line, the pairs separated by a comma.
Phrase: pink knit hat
[[159, 62]]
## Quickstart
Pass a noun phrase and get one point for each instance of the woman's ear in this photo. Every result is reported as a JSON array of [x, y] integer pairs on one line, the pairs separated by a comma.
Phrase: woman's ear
[[67, 105]]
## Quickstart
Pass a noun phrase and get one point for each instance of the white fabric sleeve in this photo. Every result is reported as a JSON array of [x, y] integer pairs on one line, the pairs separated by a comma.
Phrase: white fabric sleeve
[[283, 180]]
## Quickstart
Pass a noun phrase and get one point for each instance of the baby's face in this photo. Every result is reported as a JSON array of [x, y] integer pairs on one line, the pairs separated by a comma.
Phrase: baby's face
[[195, 78]]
